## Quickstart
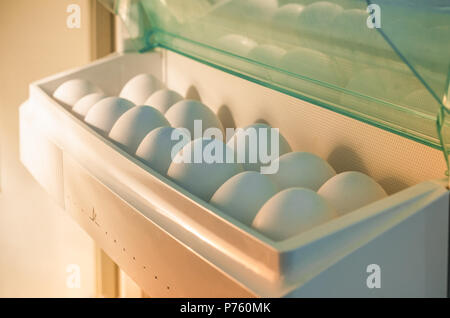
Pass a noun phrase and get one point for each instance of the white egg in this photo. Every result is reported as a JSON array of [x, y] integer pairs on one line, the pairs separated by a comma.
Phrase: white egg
[[201, 167], [236, 43], [84, 104], [312, 64], [249, 8], [285, 23], [140, 87], [104, 114], [291, 212], [267, 54], [350, 26], [184, 113], [303, 170], [351, 190], [316, 24], [243, 195], [163, 99], [72, 91], [230, 14], [131, 128], [159, 145], [246, 146], [318, 17], [286, 16], [260, 9], [355, 42]]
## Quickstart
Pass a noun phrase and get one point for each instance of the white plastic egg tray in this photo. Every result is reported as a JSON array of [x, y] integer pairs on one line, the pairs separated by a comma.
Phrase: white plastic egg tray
[[174, 244]]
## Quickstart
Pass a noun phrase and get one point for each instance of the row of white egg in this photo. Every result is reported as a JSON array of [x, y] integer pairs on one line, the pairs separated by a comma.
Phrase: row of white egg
[[330, 42], [347, 20], [304, 192], [392, 85], [303, 61], [297, 24]]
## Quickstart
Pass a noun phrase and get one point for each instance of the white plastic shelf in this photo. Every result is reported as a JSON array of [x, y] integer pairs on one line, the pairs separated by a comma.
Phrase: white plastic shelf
[[174, 244]]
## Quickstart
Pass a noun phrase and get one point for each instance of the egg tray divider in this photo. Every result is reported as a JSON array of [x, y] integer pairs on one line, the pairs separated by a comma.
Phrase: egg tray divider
[[258, 265]]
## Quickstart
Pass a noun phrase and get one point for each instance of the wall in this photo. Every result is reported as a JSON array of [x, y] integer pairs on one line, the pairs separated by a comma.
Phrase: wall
[[37, 240]]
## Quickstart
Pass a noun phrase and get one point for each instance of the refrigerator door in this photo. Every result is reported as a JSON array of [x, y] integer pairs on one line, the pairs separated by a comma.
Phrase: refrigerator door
[[328, 54]]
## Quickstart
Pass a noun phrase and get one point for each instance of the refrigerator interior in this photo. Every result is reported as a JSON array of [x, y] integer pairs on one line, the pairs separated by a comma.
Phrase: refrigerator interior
[[174, 244]]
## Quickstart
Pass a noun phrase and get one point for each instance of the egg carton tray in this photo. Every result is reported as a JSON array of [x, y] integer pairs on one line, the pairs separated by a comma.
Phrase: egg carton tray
[[174, 244]]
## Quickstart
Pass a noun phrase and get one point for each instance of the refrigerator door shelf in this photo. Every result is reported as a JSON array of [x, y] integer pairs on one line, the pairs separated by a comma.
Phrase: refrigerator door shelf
[[174, 244]]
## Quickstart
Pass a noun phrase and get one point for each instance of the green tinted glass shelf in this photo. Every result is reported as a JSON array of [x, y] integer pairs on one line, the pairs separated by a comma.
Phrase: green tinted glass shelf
[[394, 77]]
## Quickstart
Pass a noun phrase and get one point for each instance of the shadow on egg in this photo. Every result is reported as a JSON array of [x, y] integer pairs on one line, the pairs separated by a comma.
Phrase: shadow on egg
[[344, 158], [226, 117], [192, 93], [262, 121], [393, 184]]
